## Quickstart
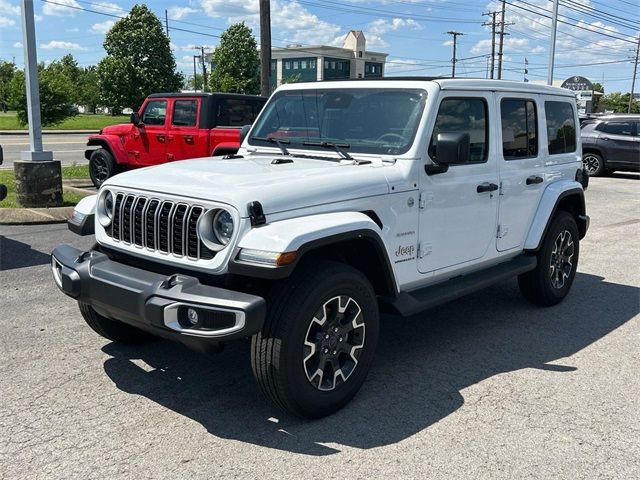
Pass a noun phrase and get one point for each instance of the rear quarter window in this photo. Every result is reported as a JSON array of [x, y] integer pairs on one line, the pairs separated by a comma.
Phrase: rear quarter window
[[561, 127]]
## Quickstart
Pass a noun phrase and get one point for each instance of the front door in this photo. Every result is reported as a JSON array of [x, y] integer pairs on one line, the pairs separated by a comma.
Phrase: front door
[[458, 208], [148, 143], [185, 139], [618, 142], [521, 167]]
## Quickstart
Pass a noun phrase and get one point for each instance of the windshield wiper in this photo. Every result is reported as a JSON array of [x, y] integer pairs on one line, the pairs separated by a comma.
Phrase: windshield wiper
[[279, 142], [338, 147]]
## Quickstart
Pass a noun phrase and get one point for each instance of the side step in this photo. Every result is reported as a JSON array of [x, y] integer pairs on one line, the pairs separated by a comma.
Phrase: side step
[[411, 303]]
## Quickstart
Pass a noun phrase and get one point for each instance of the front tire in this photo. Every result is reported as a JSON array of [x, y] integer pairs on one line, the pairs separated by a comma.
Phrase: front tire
[[318, 341], [553, 276], [112, 329], [593, 164], [101, 166]]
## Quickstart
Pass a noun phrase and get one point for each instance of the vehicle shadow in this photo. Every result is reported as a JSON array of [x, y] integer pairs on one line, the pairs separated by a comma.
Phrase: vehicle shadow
[[423, 363], [625, 176], [14, 254]]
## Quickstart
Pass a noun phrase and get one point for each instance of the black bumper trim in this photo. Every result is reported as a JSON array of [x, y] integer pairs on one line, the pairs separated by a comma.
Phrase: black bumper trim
[[139, 297], [83, 227]]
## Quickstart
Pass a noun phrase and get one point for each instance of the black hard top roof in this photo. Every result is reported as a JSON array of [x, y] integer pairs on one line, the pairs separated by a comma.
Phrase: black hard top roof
[[202, 94]]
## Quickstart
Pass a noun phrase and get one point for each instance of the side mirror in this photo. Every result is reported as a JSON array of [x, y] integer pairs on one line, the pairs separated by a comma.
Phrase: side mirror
[[452, 147], [244, 131], [135, 118]]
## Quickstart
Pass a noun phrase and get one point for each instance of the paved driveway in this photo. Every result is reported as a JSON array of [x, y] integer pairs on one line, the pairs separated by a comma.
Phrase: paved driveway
[[486, 387], [67, 147]]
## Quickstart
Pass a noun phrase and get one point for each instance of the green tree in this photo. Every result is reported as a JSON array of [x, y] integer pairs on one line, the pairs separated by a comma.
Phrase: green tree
[[236, 62], [7, 72], [56, 95], [191, 83], [88, 88], [139, 61], [619, 103]]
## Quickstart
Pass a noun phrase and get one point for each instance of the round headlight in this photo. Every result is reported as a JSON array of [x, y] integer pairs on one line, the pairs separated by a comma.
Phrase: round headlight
[[105, 208], [223, 226]]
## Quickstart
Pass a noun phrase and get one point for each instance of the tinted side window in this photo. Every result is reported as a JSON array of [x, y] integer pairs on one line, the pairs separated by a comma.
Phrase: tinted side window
[[185, 113], [466, 115], [561, 127], [155, 112], [234, 112], [618, 128], [519, 128]]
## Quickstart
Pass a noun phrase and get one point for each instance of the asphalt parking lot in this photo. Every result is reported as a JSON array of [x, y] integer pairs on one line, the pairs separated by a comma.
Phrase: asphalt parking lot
[[486, 387]]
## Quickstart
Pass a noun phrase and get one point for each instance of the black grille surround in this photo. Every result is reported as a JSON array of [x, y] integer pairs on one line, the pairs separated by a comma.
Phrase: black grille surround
[[164, 226]]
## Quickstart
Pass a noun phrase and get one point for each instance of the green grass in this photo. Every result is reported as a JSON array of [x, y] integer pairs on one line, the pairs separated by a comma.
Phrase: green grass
[[69, 198], [9, 121]]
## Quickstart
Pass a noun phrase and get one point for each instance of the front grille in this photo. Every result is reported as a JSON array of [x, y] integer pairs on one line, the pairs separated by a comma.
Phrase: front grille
[[158, 225]]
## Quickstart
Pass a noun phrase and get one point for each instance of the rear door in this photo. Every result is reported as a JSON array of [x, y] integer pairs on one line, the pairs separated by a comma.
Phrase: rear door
[[148, 146], [521, 167], [185, 138], [617, 142]]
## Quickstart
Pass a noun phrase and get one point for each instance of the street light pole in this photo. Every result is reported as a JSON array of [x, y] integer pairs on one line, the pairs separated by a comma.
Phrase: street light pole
[[38, 176], [635, 71], [552, 47]]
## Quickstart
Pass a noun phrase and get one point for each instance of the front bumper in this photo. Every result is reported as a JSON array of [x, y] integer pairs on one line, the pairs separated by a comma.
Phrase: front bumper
[[154, 302]]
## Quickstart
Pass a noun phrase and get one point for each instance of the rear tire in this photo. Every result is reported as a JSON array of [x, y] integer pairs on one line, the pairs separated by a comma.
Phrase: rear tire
[[593, 164], [553, 276], [318, 341], [112, 329], [101, 166]]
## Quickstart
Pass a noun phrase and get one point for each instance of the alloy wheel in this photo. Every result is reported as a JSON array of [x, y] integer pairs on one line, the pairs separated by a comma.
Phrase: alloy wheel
[[333, 343], [591, 164], [561, 263], [100, 169]]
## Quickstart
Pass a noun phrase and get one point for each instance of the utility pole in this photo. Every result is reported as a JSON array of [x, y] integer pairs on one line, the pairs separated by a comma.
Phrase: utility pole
[[166, 21], [552, 47], [265, 47], [493, 39], [38, 175], [502, 34], [204, 70], [195, 74], [635, 70], [453, 60]]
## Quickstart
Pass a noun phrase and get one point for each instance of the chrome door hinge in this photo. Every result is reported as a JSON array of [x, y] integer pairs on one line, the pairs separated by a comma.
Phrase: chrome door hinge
[[502, 231], [424, 249]]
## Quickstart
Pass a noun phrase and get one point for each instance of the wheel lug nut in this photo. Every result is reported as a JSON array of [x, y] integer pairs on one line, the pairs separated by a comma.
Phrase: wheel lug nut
[[325, 350], [335, 329], [340, 339], [335, 351]]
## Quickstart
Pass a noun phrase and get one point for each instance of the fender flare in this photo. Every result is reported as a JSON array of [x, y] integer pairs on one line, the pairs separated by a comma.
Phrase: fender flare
[[306, 234], [554, 194], [110, 143]]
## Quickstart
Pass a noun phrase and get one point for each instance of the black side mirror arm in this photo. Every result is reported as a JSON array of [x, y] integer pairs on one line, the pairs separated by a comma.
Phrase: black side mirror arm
[[435, 169]]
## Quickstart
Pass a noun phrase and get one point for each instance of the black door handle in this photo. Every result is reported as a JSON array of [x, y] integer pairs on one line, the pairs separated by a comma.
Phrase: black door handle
[[534, 180], [487, 187]]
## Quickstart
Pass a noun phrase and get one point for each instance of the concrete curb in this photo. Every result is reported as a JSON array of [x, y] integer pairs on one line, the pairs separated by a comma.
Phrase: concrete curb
[[50, 132]]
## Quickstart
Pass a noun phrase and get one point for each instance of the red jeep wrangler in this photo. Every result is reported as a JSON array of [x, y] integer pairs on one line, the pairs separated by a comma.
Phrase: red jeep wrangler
[[172, 126]]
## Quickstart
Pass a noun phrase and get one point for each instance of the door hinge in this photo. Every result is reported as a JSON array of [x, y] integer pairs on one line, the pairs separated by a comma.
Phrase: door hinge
[[424, 199], [424, 249], [502, 231]]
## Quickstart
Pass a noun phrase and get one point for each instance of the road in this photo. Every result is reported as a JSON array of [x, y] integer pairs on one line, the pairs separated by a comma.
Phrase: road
[[68, 148], [487, 387]]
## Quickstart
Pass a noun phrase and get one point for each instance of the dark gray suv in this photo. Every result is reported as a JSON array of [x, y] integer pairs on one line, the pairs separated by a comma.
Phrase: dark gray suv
[[611, 143]]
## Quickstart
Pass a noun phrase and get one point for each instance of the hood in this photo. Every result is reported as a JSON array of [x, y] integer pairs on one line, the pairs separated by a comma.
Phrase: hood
[[119, 129], [278, 187]]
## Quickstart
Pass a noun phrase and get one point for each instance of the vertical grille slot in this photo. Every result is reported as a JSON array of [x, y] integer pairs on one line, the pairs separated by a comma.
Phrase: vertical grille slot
[[125, 219], [138, 223], [150, 224], [163, 227], [192, 232], [178, 223], [115, 226]]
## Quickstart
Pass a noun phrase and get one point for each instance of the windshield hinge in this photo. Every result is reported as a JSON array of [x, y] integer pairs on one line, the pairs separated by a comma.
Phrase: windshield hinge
[[424, 249]]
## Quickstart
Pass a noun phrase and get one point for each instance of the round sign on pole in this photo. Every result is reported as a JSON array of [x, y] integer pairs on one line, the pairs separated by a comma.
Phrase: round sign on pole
[[577, 84]]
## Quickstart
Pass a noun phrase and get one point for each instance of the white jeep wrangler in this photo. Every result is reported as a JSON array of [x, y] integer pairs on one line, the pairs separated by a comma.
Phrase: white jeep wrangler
[[345, 199]]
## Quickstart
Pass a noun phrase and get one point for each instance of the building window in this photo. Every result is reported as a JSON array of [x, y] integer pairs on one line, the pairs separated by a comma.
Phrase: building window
[[295, 65], [312, 64], [287, 65], [333, 65], [326, 64], [359, 53], [340, 66], [303, 65]]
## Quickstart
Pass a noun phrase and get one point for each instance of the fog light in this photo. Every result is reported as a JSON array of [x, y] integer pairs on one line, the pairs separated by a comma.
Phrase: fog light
[[192, 315]]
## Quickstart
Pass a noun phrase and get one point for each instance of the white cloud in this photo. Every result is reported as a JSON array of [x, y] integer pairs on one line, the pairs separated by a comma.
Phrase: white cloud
[[102, 27], [57, 44], [178, 13], [17, 45], [400, 65], [9, 8], [106, 7], [7, 22], [381, 25], [72, 30], [290, 21], [61, 8]]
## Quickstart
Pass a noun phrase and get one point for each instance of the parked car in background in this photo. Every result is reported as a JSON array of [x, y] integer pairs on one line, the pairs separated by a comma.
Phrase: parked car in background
[[611, 143], [170, 127]]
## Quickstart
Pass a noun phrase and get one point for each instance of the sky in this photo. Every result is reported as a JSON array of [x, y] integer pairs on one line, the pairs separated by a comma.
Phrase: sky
[[596, 38]]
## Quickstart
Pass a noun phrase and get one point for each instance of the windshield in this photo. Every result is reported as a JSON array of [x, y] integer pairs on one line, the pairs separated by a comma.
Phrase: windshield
[[362, 120]]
